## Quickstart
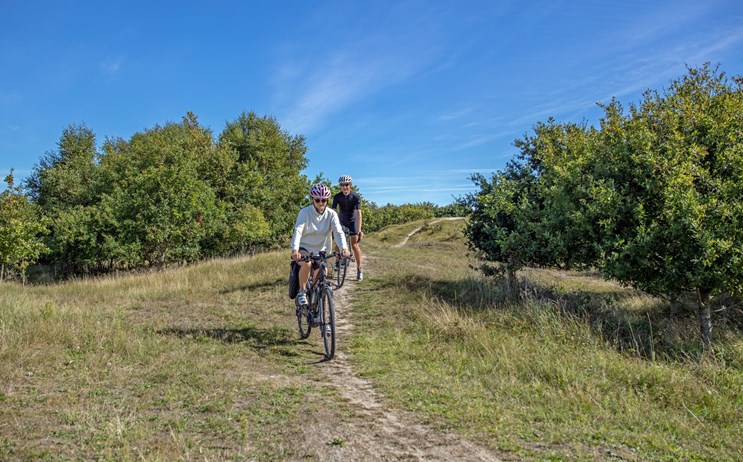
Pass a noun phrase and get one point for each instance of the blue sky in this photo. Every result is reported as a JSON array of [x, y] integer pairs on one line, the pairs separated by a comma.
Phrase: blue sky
[[408, 97]]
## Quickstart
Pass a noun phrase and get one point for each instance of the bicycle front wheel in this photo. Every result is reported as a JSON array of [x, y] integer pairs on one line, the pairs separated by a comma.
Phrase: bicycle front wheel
[[327, 328], [303, 320]]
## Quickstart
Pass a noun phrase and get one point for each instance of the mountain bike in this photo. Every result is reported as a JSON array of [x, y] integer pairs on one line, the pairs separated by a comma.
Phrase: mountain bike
[[342, 263], [320, 309]]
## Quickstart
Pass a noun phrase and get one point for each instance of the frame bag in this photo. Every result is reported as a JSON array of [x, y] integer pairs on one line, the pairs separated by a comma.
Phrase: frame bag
[[293, 280]]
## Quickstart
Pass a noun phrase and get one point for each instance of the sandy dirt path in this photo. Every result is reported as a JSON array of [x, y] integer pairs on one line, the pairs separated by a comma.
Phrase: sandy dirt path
[[416, 230], [377, 432]]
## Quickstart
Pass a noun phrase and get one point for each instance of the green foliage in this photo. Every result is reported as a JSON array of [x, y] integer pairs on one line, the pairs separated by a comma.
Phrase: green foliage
[[169, 194], [652, 198], [265, 176], [501, 223], [67, 177], [458, 208], [20, 230], [376, 218], [680, 212], [164, 213]]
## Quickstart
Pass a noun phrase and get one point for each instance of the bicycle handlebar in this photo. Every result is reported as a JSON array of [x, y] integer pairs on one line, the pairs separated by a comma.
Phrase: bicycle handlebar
[[321, 256]]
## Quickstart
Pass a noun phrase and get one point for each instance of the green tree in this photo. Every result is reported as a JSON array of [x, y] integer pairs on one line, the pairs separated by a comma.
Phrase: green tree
[[21, 230], [501, 223], [652, 198], [676, 167], [161, 207], [66, 177], [265, 177], [163, 213]]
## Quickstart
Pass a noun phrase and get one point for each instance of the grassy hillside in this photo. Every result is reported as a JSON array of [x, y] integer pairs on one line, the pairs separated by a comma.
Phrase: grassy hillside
[[584, 369], [194, 363], [204, 363]]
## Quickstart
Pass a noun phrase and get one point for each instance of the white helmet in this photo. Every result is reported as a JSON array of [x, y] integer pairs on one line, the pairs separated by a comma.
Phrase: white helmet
[[320, 191], [345, 179]]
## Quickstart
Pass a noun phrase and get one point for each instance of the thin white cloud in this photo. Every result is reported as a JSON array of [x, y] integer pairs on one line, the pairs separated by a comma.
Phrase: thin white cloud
[[313, 85], [454, 115], [337, 83], [111, 66]]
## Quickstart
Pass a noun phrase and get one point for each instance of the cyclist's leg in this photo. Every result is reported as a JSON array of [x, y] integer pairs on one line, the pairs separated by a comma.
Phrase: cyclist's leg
[[355, 246], [356, 249], [304, 270]]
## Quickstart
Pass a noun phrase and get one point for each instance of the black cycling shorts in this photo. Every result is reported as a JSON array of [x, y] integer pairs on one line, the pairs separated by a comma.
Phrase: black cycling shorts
[[351, 227]]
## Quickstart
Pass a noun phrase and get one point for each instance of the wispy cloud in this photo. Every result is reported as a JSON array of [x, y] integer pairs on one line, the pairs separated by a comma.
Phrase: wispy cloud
[[454, 115], [342, 82], [111, 66], [313, 85]]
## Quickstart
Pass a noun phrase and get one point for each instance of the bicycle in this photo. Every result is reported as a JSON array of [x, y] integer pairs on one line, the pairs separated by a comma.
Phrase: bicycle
[[342, 263], [320, 309]]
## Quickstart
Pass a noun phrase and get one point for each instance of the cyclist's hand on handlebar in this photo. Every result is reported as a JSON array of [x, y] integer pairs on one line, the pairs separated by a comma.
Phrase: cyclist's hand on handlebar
[[345, 253], [295, 255], [361, 236]]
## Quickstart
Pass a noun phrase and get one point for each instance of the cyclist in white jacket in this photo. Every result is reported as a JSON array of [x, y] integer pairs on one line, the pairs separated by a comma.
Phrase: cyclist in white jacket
[[313, 229]]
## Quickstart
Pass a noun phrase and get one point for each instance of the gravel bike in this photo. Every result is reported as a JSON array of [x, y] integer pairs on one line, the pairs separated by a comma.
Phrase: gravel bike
[[320, 309]]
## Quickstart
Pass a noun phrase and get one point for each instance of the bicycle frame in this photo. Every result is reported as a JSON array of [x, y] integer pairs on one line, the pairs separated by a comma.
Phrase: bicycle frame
[[320, 310]]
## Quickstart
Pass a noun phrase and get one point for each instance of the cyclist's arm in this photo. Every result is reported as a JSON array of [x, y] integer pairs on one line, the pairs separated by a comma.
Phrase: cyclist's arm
[[357, 215]]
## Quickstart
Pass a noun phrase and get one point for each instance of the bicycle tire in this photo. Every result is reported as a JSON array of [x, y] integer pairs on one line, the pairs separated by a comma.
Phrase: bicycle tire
[[303, 321], [327, 328], [340, 275]]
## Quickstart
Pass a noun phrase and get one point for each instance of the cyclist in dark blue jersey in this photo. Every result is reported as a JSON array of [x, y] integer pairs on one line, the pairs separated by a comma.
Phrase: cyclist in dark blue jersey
[[348, 205]]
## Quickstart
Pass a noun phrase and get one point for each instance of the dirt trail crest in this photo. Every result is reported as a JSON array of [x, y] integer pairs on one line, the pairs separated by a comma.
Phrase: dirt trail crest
[[418, 229], [377, 432]]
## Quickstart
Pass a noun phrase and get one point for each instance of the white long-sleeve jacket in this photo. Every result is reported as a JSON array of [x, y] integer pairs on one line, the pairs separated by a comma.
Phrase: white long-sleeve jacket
[[313, 230]]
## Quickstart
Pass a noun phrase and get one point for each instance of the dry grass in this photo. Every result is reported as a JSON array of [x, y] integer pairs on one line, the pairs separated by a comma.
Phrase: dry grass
[[192, 363], [583, 369], [203, 362]]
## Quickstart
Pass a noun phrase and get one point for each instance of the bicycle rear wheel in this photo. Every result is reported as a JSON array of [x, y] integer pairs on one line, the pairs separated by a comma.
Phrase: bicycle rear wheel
[[340, 275], [327, 328], [303, 320]]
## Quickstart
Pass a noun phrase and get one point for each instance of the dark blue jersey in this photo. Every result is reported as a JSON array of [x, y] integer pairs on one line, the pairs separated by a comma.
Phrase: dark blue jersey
[[346, 205]]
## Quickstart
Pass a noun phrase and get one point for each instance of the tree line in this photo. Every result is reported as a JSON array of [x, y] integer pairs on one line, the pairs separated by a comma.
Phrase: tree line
[[169, 194], [652, 197]]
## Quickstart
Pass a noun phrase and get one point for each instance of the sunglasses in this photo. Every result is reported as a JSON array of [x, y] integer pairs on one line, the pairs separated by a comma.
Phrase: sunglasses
[[320, 201], [345, 184]]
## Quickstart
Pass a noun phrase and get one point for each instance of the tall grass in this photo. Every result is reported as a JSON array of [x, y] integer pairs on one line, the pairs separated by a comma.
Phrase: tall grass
[[580, 369], [193, 363], [203, 362]]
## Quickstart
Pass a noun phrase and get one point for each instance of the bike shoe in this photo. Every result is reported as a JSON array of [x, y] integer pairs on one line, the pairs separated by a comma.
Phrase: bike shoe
[[359, 275], [302, 298]]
